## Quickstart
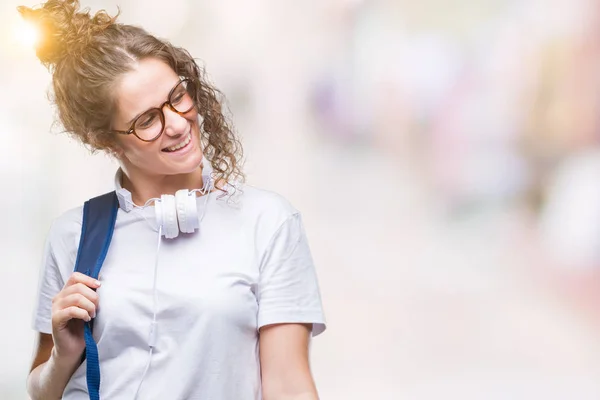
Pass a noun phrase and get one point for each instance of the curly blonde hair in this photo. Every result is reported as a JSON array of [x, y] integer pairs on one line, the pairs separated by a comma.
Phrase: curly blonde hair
[[86, 55]]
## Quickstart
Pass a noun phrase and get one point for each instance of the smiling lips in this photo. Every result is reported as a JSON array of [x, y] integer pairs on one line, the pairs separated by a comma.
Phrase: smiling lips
[[180, 145]]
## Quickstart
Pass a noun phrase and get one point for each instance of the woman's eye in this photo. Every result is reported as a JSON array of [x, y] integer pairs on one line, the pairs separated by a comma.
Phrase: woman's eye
[[147, 121], [177, 98]]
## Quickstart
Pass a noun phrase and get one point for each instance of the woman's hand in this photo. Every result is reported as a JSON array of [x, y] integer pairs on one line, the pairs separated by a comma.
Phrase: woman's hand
[[75, 304]]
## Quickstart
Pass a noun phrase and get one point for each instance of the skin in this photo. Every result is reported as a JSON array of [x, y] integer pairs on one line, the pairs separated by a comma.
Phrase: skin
[[148, 173]]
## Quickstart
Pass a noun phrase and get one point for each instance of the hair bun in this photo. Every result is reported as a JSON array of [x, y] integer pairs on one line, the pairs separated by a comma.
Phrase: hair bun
[[64, 29]]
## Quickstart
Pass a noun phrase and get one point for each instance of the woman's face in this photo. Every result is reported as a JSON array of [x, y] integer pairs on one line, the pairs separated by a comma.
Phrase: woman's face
[[177, 150]]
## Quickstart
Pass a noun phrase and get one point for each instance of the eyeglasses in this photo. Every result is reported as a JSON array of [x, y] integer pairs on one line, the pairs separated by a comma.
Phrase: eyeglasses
[[150, 125]]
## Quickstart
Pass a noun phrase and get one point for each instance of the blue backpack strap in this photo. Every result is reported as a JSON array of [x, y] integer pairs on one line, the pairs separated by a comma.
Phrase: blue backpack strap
[[99, 216]]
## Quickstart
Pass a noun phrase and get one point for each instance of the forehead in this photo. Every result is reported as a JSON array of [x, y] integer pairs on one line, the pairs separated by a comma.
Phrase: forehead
[[147, 85]]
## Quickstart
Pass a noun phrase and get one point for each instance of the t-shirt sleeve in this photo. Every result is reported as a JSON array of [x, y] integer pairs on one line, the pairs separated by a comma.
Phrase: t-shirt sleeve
[[58, 259], [49, 284], [288, 289]]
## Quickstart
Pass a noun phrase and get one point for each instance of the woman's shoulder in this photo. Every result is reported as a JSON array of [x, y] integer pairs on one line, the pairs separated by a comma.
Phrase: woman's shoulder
[[263, 211], [66, 226], [265, 202]]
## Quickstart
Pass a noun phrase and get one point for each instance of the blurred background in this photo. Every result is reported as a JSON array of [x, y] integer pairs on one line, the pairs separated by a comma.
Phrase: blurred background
[[445, 156]]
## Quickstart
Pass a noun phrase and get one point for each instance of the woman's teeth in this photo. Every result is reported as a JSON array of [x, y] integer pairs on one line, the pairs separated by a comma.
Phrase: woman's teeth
[[180, 145]]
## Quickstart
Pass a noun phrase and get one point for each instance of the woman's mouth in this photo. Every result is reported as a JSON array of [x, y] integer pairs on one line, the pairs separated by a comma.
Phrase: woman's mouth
[[181, 145]]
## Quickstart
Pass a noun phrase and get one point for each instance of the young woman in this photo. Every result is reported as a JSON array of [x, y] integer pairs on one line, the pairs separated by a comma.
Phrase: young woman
[[233, 304]]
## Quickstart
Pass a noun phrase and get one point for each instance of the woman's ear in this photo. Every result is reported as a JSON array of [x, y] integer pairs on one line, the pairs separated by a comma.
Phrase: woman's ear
[[115, 150], [106, 142], [117, 154]]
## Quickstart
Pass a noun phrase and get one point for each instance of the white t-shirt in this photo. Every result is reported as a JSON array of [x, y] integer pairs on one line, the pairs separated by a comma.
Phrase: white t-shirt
[[248, 266]]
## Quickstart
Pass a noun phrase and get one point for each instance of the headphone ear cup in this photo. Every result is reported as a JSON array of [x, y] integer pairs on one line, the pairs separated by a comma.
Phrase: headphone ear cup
[[187, 213], [180, 199], [166, 216], [192, 213]]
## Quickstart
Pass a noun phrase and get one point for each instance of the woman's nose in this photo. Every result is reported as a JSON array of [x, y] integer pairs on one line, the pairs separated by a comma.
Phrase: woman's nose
[[175, 123]]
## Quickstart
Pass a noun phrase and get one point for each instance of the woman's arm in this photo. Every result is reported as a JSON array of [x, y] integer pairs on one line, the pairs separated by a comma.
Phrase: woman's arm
[[284, 362], [49, 374], [58, 355]]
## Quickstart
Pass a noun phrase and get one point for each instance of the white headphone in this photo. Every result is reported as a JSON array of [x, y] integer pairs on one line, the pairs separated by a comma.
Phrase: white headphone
[[173, 214]]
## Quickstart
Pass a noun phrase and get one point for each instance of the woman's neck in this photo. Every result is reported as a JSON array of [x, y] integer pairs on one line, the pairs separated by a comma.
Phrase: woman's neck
[[144, 187]]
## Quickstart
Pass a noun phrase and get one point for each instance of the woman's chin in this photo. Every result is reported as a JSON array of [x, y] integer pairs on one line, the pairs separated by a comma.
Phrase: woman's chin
[[190, 164]]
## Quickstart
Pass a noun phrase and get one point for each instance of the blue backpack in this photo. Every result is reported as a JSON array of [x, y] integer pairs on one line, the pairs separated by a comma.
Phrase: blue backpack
[[99, 216]]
